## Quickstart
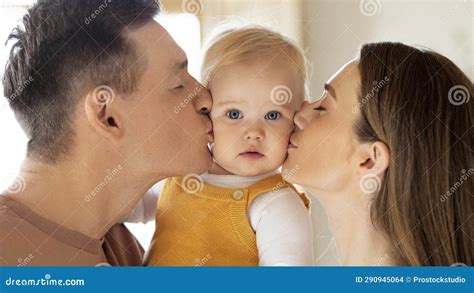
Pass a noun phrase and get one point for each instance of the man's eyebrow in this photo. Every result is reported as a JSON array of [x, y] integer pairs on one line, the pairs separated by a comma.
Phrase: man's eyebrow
[[331, 90]]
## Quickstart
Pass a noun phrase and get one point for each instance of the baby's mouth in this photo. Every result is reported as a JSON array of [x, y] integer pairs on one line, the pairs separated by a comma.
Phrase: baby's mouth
[[252, 155]]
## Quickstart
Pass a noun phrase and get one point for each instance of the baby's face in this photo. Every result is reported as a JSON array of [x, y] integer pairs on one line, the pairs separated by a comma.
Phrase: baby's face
[[252, 113]]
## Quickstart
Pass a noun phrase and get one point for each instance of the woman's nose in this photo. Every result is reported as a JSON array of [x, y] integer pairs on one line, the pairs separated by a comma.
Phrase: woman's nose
[[302, 117]]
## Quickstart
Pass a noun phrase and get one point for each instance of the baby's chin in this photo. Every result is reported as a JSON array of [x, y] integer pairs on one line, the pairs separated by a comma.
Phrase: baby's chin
[[247, 171]]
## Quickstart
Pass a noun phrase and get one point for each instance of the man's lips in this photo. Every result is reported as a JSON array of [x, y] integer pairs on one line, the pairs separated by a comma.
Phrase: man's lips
[[210, 136]]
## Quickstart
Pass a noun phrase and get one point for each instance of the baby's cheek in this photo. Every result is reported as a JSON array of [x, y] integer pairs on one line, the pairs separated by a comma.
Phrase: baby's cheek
[[285, 130]]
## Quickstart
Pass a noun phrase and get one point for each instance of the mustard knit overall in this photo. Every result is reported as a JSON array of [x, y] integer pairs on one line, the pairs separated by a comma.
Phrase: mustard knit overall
[[209, 227]]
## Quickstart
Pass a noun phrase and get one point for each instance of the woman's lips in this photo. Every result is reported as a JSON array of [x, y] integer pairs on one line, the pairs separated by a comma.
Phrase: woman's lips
[[252, 155]]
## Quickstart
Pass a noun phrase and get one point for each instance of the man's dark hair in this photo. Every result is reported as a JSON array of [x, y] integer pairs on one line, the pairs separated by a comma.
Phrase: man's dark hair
[[65, 48]]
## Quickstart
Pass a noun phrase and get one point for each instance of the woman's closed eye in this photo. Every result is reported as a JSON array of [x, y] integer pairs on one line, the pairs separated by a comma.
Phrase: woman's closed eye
[[234, 114], [320, 109], [272, 115]]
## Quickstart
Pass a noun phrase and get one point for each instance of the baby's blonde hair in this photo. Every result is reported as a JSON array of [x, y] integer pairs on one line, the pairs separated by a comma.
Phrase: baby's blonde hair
[[251, 43]]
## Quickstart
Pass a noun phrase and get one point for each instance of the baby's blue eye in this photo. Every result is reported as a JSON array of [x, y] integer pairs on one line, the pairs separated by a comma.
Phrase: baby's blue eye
[[273, 115], [234, 114]]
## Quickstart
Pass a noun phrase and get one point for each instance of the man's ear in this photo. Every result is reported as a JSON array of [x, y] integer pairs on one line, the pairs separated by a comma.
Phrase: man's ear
[[101, 113], [374, 159]]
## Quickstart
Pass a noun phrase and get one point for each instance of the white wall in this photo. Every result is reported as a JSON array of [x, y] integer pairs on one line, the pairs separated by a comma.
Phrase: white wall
[[336, 29]]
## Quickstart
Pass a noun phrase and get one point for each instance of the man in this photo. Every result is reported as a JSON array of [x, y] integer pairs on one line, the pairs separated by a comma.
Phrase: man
[[100, 115]]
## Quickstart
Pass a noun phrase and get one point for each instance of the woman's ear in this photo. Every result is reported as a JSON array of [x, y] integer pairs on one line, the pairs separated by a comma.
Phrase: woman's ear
[[375, 159], [101, 113]]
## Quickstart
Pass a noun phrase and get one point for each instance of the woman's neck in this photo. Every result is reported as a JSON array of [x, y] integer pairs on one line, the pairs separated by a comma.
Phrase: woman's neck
[[358, 242]]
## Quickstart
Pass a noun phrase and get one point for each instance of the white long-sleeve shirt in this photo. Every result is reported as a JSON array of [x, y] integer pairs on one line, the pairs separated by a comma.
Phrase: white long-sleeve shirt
[[280, 220]]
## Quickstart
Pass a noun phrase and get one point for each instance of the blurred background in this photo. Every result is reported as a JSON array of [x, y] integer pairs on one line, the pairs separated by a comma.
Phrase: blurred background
[[330, 32]]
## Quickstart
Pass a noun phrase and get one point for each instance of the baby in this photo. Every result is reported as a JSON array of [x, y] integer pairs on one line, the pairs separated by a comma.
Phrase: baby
[[241, 213]]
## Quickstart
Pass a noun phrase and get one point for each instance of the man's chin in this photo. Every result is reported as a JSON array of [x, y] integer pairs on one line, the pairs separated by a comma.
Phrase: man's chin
[[200, 164]]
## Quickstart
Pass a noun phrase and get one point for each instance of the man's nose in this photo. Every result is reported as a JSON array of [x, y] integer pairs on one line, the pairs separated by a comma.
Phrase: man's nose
[[203, 101]]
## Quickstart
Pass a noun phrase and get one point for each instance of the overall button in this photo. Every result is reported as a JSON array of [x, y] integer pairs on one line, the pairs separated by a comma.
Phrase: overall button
[[238, 195]]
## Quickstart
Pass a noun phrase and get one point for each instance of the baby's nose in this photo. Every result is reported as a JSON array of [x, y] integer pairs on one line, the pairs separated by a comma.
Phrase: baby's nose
[[254, 134]]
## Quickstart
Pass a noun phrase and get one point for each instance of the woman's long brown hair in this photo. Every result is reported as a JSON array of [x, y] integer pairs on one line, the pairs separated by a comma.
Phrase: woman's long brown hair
[[417, 102]]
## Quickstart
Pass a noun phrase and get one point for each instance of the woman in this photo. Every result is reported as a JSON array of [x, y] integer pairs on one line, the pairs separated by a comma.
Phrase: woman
[[388, 150]]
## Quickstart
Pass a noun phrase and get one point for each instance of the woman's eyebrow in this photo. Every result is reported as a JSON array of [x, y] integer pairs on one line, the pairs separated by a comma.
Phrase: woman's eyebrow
[[331, 90]]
